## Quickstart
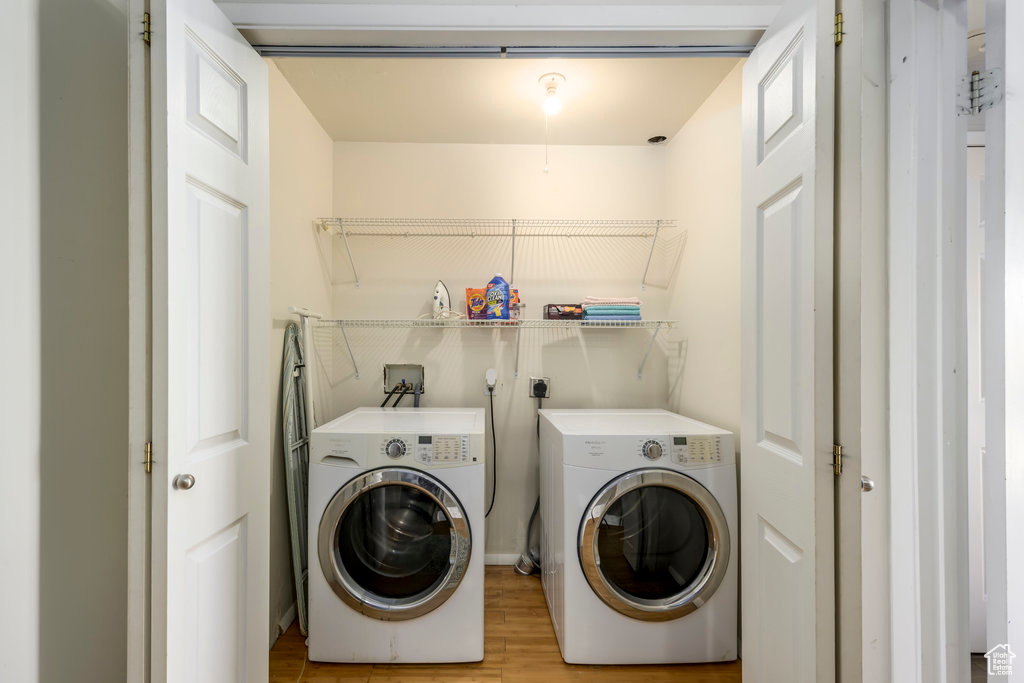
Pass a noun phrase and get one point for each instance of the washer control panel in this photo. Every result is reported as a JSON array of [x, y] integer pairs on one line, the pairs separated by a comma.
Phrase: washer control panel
[[697, 450], [428, 449]]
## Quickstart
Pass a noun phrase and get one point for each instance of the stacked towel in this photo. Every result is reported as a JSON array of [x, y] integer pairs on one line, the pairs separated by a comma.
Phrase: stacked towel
[[611, 301], [611, 308]]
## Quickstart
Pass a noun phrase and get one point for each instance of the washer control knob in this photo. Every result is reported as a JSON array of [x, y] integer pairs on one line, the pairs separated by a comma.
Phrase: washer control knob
[[395, 448], [652, 450]]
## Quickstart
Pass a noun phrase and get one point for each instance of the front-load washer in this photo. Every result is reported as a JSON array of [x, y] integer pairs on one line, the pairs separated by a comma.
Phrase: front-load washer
[[638, 536], [396, 524]]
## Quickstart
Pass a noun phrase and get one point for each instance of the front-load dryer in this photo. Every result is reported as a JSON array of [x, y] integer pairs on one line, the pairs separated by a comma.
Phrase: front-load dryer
[[396, 523], [639, 536]]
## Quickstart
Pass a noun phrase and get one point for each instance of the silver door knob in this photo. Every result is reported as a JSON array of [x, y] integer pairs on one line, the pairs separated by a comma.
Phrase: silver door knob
[[867, 484], [184, 482]]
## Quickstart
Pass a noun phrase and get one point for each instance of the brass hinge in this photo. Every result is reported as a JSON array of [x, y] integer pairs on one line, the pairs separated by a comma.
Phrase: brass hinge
[[147, 32], [837, 459], [839, 29], [148, 462]]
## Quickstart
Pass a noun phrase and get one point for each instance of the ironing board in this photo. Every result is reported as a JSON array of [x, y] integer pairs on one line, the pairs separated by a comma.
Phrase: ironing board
[[296, 461]]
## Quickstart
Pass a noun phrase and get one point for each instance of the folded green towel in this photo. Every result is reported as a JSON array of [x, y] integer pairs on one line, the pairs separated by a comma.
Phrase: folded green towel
[[608, 317], [612, 310]]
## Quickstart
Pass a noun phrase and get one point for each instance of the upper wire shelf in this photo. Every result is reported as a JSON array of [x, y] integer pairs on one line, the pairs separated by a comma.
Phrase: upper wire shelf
[[491, 227], [654, 231]]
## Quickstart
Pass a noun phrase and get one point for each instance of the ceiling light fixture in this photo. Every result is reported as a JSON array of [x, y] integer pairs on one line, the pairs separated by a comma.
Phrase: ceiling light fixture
[[552, 102]]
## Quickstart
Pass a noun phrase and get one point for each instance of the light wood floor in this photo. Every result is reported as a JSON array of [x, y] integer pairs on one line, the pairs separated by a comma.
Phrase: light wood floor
[[519, 645]]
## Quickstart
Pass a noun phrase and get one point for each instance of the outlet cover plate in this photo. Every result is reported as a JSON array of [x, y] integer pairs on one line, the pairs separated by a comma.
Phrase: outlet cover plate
[[547, 391]]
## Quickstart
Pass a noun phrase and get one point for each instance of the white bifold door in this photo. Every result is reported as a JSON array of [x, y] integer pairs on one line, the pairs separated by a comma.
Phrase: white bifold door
[[786, 479], [211, 323]]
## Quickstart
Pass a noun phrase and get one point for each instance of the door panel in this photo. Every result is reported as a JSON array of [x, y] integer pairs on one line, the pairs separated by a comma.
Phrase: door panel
[[778, 243], [216, 648], [210, 334], [787, 422], [216, 356]]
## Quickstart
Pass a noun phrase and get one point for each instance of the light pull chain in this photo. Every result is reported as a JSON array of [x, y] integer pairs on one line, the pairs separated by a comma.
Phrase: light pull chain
[[546, 142]]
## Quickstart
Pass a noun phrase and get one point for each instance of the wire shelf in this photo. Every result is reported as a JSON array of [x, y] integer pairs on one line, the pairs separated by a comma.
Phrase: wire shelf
[[491, 227], [499, 324], [648, 233]]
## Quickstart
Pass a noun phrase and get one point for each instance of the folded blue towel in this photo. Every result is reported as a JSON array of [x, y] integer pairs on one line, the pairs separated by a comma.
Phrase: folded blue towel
[[602, 318], [613, 310]]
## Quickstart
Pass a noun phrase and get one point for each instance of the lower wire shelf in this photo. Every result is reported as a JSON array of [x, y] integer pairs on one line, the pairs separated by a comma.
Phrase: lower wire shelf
[[522, 324], [517, 325]]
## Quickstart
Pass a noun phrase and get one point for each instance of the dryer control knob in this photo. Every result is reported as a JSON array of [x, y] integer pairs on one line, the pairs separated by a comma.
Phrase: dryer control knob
[[652, 450], [395, 448]]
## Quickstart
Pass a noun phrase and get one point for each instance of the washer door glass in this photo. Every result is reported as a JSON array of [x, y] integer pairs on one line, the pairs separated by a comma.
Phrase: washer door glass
[[394, 543], [654, 544]]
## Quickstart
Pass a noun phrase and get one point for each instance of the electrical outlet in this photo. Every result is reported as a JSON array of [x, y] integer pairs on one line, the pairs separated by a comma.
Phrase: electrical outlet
[[540, 387], [491, 382]]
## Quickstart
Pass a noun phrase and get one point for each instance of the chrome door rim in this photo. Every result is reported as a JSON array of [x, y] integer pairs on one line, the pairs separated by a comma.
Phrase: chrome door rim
[[366, 602], [693, 596]]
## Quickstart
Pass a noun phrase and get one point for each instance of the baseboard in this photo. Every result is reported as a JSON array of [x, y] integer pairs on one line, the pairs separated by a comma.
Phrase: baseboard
[[286, 619], [500, 558]]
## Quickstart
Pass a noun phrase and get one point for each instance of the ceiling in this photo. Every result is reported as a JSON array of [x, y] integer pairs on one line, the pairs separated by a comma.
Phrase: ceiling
[[498, 101]]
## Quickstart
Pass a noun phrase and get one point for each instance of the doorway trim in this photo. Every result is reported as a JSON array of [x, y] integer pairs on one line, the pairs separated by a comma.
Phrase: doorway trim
[[738, 16], [927, 342]]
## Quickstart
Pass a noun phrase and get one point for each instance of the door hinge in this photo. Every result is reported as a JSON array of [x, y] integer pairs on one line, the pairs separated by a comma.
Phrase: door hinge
[[837, 459], [980, 91], [147, 32], [838, 34], [148, 462]]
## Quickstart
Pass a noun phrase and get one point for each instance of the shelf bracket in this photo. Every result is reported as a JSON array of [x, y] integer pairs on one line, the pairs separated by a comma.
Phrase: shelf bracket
[[643, 362], [515, 369], [351, 262], [650, 255], [348, 346]]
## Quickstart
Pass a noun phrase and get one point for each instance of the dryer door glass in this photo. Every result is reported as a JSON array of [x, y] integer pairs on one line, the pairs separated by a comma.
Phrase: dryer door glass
[[394, 543], [654, 544]]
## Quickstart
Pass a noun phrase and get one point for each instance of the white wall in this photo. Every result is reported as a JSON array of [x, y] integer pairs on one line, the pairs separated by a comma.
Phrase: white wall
[[301, 166], [19, 289], [592, 368], [83, 114], [703, 194], [63, 173]]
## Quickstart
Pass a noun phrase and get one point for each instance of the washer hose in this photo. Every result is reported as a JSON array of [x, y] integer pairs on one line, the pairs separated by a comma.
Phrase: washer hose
[[529, 562]]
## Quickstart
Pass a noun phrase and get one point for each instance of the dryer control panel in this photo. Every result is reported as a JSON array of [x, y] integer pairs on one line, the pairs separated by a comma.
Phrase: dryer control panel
[[442, 449], [434, 450], [697, 450]]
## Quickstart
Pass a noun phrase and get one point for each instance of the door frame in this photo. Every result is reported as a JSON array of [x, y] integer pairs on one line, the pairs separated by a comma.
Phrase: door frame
[[863, 649], [427, 28], [139, 348], [1003, 332], [927, 342]]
